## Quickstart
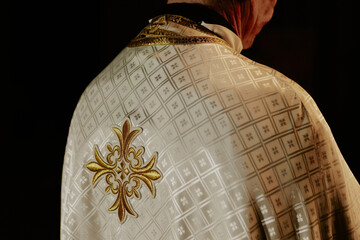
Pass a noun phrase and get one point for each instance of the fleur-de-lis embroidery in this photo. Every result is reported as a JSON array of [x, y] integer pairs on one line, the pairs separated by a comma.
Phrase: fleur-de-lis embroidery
[[124, 170]]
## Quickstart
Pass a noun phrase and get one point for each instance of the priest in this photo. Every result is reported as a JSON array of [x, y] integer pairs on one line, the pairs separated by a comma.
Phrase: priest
[[183, 137]]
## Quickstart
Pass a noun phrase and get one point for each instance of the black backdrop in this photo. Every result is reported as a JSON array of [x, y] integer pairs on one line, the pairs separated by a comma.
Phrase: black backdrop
[[58, 47]]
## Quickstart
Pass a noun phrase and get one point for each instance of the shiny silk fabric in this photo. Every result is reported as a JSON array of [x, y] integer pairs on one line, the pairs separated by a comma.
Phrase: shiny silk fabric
[[182, 137]]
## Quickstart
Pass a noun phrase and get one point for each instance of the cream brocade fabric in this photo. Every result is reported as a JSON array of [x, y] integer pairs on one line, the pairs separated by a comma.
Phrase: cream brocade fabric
[[181, 137]]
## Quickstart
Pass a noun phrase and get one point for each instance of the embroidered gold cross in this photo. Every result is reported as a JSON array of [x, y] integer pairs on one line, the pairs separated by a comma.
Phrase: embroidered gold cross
[[124, 170]]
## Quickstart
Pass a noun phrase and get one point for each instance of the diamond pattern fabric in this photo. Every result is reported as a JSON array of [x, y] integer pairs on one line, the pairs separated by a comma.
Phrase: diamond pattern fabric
[[243, 151]]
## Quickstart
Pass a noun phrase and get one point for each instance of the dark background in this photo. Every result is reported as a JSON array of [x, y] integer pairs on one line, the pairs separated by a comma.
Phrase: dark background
[[58, 47]]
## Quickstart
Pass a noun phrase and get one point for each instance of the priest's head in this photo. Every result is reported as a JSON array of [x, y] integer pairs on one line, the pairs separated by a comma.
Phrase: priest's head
[[247, 17]]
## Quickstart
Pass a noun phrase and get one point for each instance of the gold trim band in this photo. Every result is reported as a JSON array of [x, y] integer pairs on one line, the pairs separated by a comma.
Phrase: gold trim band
[[157, 34], [150, 41]]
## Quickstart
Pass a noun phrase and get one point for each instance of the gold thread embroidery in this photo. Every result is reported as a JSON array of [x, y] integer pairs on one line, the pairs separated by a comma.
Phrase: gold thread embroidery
[[181, 21], [123, 169], [165, 40], [157, 32], [154, 35]]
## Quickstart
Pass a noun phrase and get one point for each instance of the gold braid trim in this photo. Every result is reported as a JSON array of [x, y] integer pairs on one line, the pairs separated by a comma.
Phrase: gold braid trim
[[154, 35], [150, 41], [147, 32]]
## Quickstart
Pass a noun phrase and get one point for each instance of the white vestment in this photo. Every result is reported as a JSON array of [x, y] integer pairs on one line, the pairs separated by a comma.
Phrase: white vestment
[[182, 137]]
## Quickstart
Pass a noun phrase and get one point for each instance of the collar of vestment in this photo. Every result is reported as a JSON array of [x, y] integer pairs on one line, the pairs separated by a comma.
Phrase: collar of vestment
[[197, 13], [182, 23]]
